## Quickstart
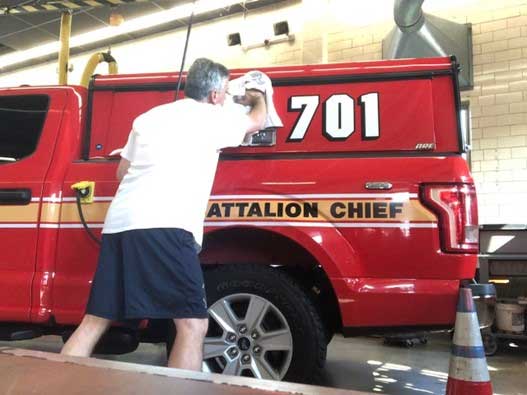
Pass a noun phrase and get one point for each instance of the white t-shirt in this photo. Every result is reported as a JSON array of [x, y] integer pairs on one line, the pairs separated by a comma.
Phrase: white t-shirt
[[173, 152]]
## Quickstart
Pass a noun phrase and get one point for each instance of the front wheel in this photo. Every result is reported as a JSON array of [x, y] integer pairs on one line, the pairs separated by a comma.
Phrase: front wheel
[[261, 325]]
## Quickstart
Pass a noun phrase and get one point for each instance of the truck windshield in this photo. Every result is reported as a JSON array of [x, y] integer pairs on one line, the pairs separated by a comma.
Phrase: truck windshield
[[21, 121]]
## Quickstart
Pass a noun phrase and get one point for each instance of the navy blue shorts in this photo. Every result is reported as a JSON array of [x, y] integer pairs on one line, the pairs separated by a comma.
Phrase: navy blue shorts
[[148, 273]]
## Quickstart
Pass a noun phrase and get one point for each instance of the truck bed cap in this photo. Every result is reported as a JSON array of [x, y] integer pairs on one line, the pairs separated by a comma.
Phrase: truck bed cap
[[356, 68]]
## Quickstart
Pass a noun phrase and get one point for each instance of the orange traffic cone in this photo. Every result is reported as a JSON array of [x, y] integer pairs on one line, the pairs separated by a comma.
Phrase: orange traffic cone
[[468, 373]]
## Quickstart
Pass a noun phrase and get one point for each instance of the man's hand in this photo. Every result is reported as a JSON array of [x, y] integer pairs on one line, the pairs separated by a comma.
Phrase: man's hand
[[251, 97]]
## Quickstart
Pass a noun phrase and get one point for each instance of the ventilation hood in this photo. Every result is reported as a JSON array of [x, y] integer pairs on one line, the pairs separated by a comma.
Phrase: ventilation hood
[[419, 35]]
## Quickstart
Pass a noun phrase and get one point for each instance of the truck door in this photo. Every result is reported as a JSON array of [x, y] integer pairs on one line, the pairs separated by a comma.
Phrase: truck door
[[29, 123]]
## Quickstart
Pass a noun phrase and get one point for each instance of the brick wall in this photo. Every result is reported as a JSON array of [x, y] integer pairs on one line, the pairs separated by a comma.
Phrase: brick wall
[[498, 102], [498, 106]]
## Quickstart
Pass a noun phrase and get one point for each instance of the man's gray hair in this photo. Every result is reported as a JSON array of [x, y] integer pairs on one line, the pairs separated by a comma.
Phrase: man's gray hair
[[203, 77]]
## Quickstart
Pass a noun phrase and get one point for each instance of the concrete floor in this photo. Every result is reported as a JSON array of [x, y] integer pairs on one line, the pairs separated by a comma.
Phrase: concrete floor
[[366, 364]]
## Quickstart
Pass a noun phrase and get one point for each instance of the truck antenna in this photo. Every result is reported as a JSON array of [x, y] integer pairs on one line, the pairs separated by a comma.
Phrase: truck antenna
[[185, 49]]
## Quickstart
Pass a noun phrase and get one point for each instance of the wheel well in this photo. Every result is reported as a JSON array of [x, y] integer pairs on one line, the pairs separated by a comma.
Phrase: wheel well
[[248, 245]]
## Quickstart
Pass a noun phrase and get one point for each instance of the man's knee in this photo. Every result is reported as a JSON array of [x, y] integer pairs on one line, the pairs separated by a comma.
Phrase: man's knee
[[193, 326]]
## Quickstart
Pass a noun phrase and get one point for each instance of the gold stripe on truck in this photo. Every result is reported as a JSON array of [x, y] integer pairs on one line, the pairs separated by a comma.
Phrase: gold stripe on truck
[[50, 213], [344, 210], [319, 210], [95, 212], [68, 213], [27, 213]]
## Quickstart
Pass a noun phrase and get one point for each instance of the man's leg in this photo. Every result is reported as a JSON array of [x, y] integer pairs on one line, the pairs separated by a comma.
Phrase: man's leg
[[187, 352], [82, 342]]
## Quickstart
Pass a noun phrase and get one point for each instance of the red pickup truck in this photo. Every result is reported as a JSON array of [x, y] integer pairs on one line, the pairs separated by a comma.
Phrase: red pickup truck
[[359, 215]]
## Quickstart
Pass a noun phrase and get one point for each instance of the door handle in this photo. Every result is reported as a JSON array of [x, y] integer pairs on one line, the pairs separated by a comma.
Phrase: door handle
[[381, 185], [15, 197]]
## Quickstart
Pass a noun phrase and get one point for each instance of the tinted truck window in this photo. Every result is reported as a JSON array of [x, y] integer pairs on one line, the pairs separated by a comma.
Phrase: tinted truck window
[[21, 122]]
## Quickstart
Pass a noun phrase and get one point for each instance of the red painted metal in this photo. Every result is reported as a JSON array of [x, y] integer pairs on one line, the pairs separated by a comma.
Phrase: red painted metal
[[19, 233], [411, 109], [378, 265]]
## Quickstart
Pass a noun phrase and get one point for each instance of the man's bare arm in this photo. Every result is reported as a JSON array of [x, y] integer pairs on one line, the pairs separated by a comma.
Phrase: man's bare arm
[[256, 100], [124, 164]]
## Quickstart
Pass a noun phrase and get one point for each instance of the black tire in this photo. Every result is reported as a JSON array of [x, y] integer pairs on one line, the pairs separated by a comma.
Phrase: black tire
[[490, 343], [307, 331], [329, 334]]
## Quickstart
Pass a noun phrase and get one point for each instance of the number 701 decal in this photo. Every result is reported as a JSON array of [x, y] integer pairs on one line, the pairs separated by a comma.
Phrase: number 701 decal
[[338, 116]]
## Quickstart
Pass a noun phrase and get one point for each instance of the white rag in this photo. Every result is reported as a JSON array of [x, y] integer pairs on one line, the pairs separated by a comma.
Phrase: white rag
[[260, 81]]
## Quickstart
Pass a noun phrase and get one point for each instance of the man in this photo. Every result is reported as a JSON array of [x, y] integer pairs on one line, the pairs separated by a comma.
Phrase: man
[[148, 265]]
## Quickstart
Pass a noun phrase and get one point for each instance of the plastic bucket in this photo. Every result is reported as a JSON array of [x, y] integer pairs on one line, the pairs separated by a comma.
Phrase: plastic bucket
[[510, 317]]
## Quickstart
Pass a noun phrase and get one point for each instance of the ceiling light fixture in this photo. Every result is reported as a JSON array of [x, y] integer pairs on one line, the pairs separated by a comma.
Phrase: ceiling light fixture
[[115, 19], [129, 26]]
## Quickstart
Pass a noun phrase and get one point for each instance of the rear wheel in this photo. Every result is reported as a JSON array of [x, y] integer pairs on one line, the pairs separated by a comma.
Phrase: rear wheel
[[261, 325], [490, 343]]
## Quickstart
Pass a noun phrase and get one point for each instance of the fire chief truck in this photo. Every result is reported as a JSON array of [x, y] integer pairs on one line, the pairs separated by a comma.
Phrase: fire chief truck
[[358, 216]]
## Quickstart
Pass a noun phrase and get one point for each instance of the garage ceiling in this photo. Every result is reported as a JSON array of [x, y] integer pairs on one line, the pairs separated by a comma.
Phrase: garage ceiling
[[25, 23]]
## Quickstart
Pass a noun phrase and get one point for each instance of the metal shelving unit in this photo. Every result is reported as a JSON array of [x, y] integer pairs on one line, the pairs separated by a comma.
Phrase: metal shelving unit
[[503, 258]]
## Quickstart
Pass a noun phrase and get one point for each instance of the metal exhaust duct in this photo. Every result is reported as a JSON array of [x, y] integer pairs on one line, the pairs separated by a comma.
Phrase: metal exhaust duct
[[419, 35]]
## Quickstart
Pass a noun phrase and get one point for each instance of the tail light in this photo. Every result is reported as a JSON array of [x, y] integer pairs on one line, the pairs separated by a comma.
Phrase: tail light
[[456, 208]]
